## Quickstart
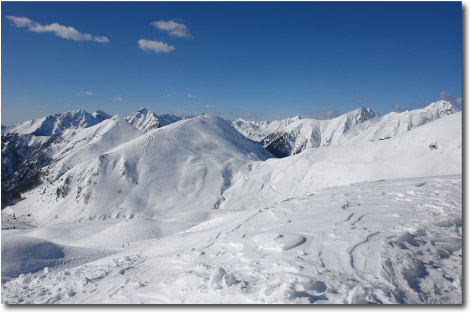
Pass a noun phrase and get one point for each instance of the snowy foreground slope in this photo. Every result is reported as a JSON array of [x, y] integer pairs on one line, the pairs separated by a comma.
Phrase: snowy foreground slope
[[194, 212], [395, 241]]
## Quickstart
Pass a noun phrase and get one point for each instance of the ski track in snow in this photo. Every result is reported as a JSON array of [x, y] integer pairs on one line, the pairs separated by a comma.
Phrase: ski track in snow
[[389, 241]]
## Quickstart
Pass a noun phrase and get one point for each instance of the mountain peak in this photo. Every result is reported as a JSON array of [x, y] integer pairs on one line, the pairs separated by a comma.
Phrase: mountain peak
[[143, 110], [442, 106], [361, 114], [53, 124], [145, 120]]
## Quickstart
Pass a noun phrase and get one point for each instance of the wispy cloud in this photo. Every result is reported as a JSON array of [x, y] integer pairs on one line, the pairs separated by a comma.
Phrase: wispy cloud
[[118, 98], [169, 95], [208, 106], [66, 32], [20, 21], [175, 29], [396, 106], [189, 95], [155, 46], [448, 97], [85, 93]]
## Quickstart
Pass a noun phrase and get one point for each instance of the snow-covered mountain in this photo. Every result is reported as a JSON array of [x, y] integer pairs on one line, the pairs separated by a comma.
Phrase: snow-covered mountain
[[24, 147], [28, 147], [116, 210], [24, 140], [107, 171], [196, 213], [358, 126], [55, 124], [395, 123], [101, 116], [432, 149], [310, 133], [145, 120], [258, 130]]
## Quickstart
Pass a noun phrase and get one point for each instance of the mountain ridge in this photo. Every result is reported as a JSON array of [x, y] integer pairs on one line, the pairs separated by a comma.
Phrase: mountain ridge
[[360, 125]]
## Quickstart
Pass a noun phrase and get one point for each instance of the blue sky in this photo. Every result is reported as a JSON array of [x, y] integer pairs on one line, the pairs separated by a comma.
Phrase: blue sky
[[251, 60]]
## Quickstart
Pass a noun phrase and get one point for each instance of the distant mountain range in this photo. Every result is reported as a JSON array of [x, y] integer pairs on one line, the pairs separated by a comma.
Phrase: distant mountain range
[[75, 156], [294, 135]]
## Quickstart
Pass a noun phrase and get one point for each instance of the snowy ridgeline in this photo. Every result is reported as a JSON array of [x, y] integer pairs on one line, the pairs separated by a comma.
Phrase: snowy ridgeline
[[126, 211], [294, 135], [395, 241]]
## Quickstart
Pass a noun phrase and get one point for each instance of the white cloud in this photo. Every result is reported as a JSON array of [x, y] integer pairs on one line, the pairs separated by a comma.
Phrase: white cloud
[[66, 32], [20, 21], [85, 93], [448, 97], [169, 95], [156, 46], [119, 98], [101, 39], [189, 95], [396, 106], [173, 28]]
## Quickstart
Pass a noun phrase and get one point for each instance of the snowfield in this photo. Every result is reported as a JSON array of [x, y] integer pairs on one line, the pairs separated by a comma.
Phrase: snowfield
[[146, 209], [394, 241]]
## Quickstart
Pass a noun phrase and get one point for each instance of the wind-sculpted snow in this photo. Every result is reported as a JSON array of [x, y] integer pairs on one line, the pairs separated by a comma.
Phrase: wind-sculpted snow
[[397, 241], [28, 254]]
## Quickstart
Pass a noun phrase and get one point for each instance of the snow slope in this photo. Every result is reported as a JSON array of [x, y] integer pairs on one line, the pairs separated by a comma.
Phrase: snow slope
[[178, 169], [23, 254], [24, 147], [29, 161], [395, 123], [194, 212], [394, 241], [78, 146], [402, 156]]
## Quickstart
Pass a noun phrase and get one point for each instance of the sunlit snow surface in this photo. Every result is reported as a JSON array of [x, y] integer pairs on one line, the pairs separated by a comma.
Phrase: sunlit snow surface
[[390, 241], [194, 212]]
